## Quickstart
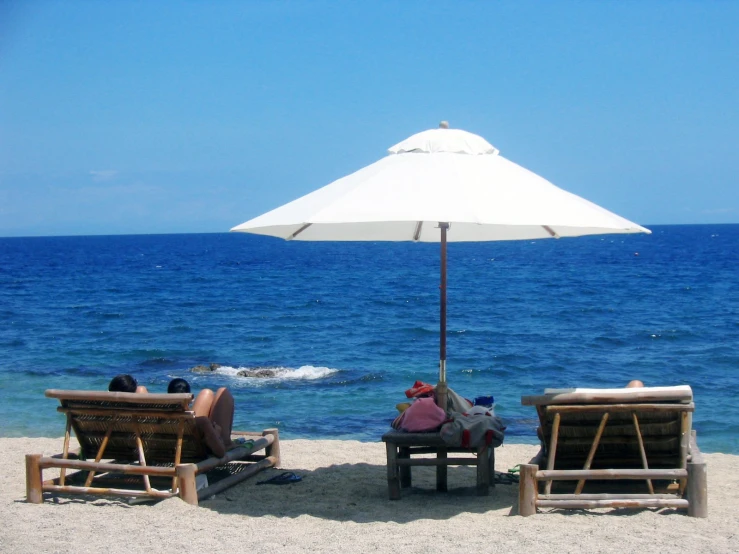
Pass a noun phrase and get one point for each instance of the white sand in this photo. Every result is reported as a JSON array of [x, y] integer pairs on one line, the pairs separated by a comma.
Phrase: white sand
[[341, 506]]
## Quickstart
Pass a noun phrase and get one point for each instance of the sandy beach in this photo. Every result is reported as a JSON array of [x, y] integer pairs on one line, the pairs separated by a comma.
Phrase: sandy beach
[[341, 505]]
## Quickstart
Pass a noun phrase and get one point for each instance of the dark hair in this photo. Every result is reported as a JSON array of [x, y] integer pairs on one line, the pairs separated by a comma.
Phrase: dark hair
[[123, 383], [178, 385]]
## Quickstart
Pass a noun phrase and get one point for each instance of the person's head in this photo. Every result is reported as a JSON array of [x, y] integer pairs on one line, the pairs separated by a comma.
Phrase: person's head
[[123, 383], [635, 384], [178, 385]]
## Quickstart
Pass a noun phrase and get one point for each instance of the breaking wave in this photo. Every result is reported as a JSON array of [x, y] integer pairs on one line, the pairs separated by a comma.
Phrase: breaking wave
[[271, 374]]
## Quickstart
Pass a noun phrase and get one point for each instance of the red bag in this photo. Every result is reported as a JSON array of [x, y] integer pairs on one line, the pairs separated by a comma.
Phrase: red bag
[[419, 389]]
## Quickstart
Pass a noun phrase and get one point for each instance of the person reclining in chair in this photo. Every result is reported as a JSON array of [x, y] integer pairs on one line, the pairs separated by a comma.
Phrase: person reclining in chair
[[214, 414], [633, 384], [125, 383]]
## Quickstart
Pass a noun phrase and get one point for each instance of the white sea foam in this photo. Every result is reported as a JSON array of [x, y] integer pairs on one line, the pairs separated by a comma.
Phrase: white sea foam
[[306, 372]]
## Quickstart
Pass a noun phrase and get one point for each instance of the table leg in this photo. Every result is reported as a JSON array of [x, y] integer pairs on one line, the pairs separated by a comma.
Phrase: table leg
[[441, 471], [393, 482], [483, 470], [492, 466], [405, 471]]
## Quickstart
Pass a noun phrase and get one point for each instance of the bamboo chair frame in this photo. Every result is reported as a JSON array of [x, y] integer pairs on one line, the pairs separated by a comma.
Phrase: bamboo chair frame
[[134, 438], [622, 441]]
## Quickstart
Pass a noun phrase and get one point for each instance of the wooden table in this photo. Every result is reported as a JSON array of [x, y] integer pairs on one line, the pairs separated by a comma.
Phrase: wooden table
[[401, 447]]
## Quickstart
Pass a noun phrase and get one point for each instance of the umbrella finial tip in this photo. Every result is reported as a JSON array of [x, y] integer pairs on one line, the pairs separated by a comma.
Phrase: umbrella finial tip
[[444, 125]]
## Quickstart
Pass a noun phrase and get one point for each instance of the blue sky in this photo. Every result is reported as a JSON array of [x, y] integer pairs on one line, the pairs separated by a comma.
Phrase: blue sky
[[172, 117]]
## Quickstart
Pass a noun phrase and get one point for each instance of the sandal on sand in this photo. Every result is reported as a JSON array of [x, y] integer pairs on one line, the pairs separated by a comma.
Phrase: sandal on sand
[[509, 478], [282, 479]]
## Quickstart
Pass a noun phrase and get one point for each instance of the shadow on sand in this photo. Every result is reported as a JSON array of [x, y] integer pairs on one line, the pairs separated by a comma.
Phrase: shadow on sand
[[358, 493]]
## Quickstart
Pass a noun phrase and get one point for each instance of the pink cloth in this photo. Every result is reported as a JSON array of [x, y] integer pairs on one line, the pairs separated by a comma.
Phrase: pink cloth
[[421, 416]]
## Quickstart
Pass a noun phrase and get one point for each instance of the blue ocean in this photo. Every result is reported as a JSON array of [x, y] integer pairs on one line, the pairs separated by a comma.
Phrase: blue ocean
[[346, 328]]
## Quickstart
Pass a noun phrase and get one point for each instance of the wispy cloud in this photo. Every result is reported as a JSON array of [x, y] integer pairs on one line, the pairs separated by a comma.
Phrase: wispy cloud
[[718, 211], [102, 175]]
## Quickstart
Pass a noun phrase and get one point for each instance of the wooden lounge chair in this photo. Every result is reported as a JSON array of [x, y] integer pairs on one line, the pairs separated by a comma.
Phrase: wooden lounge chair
[[629, 447], [143, 445]]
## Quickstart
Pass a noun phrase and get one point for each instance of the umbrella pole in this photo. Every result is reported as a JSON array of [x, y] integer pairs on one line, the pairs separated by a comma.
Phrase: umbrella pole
[[441, 388]]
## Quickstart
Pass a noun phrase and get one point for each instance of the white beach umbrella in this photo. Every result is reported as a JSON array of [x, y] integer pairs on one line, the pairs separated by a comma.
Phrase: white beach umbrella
[[439, 185]]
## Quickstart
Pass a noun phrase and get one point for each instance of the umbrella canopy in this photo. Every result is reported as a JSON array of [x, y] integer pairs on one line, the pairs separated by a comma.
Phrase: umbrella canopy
[[436, 186]]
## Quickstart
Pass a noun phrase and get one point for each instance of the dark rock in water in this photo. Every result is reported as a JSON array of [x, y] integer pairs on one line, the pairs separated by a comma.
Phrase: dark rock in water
[[205, 368], [261, 373], [201, 369]]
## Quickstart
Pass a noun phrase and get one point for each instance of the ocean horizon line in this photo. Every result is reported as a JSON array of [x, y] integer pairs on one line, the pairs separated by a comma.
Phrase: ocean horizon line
[[228, 232]]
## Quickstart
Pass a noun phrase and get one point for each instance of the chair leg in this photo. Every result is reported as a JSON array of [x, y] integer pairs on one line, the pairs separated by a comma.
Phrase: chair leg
[[697, 490], [528, 490], [273, 449], [34, 479], [186, 480]]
